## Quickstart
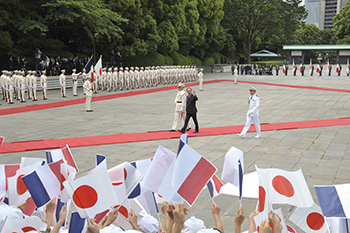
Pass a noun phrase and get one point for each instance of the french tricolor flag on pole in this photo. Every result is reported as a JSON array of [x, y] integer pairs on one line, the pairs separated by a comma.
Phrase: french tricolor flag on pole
[[214, 185], [234, 168], [77, 224], [334, 200], [183, 141], [191, 173], [64, 153], [44, 184]]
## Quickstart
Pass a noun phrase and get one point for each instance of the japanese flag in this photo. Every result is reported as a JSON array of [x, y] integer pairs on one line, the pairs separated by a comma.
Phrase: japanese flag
[[309, 219], [23, 225], [92, 193], [284, 187], [17, 190], [6, 171]]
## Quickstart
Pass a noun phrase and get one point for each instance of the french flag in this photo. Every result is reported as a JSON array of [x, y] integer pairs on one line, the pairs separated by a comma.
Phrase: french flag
[[59, 206], [148, 202], [214, 185], [284, 67], [63, 153], [318, 70], [191, 173], [334, 200], [88, 67], [183, 141], [44, 184], [338, 68], [77, 224], [142, 166]]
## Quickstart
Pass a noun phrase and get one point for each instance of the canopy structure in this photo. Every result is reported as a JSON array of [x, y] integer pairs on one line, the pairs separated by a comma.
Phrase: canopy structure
[[264, 53], [297, 51]]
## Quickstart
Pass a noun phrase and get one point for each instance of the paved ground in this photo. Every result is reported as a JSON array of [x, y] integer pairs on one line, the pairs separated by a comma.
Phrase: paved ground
[[323, 153]]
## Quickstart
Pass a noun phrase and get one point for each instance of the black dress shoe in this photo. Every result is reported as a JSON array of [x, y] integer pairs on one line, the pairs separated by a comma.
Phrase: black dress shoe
[[196, 131], [181, 131], [172, 130], [188, 129]]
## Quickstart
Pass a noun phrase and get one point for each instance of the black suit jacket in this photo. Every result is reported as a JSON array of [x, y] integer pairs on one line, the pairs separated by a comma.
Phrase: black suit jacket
[[191, 104]]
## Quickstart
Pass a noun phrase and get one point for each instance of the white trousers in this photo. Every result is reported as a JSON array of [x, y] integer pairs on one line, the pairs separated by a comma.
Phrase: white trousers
[[75, 87], [201, 84], [63, 90], [236, 78], [44, 92], [88, 103], [249, 122], [177, 119]]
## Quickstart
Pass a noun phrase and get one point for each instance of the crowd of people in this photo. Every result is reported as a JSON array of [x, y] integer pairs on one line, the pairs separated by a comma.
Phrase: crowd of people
[[174, 218]]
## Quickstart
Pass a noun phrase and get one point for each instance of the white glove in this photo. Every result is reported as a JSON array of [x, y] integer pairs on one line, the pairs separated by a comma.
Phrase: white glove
[[183, 110]]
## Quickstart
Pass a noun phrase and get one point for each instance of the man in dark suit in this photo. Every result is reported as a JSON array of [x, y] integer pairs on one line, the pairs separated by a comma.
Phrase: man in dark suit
[[191, 110]]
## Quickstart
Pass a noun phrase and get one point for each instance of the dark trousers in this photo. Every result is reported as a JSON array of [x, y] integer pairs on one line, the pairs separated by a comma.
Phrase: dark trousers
[[194, 117]]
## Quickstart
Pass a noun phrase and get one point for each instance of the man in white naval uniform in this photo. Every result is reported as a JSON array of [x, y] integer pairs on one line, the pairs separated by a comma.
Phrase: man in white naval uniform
[[34, 85], [252, 114], [126, 78], [88, 92], [75, 82], [180, 107], [137, 77], [109, 79], [63, 83], [104, 78], [132, 77], [142, 78], [43, 84], [121, 78], [200, 78], [115, 79], [29, 88], [22, 86]]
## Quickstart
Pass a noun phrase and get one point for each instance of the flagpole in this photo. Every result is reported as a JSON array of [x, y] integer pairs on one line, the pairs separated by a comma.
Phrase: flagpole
[[212, 199]]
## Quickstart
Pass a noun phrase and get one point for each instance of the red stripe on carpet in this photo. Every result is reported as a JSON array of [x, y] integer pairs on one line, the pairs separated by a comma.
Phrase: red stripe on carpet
[[36, 107], [49, 144]]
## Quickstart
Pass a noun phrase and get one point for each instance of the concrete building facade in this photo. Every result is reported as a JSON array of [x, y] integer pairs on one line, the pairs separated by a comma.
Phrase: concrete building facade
[[321, 12]]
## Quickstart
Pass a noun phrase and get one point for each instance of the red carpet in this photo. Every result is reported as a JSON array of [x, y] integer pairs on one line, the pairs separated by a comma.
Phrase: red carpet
[[36, 107], [21, 146]]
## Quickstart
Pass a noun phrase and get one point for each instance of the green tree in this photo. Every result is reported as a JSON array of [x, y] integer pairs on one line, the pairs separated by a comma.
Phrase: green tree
[[341, 24]]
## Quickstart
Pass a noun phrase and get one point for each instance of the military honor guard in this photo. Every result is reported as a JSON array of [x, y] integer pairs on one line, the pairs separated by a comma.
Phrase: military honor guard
[[75, 82], [87, 86], [132, 77], [127, 78], [63, 83], [115, 79], [43, 83], [200, 78], [22, 86], [137, 77], [10, 88], [236, 74], [104, 78], [252, 114], [180, 107], [109, 79], [146, 76], [29, 88], [33, 77], [142, 77], [121, 78]]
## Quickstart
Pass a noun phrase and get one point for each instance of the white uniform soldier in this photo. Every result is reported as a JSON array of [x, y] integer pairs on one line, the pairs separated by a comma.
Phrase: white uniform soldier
[[43, 84], [2, 84], [22, 86], [142, 78], [121, 78], [63, 83], [146, 76], [104, 78], [34, 85], [137, 77], [235, 72], [14, 80], [10, 87], [200, 78], [88, 92], [115, 79], [75, 82], [180, 107], [85, 76], [126, 78], [132, 77], [95, 82], [109, 79], [29, 88], [252, 114], [19, 88]]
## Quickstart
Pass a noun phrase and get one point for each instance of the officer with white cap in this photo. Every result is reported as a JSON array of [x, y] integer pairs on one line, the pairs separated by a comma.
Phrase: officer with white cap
[[137, 77], [252, 114], [88, 92], [104, 78], [115, 79], [200, 78], [126, 78], [63, 83], [34, 85], [75, 82], [109, 79], [142, 78], [121, 78], [28, 81], [43, 84], [132, 77], [180, 106]]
